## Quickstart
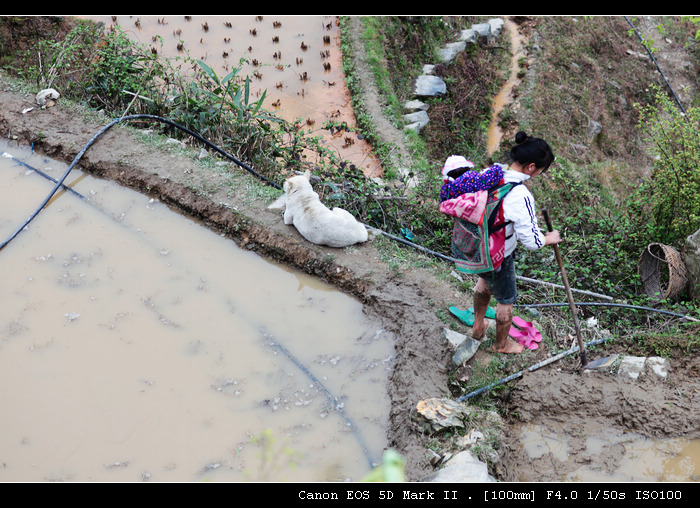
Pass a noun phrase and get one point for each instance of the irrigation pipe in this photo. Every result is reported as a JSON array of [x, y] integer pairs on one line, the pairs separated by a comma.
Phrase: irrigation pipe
[[605, 304], [651, 55], [331, 398], [574, 349], [45, 175], [59, 183], [534, 367]]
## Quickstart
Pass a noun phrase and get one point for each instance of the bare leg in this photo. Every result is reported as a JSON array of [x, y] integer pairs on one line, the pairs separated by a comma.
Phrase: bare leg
[[482, 297], [504, 319]]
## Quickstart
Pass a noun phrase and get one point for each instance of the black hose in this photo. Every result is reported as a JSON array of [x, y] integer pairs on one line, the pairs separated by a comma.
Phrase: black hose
[[59, 183], [530, 369], [608, 304], [45, 175], [651, 55], [331, 398]]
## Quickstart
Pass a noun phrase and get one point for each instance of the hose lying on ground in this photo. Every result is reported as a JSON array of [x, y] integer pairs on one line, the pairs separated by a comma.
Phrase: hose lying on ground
[[534, 367], [59, 183], [606, 304]]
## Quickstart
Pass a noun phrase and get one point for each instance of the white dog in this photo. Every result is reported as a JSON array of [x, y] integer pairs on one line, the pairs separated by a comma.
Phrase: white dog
[[314, 221]]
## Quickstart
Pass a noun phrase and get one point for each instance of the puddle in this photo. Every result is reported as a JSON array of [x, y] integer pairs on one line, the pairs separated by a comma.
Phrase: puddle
[[611, 455], [295, 59], [137, 345]]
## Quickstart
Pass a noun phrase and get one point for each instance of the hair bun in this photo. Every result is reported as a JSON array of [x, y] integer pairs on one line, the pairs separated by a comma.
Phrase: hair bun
[[520, 137]]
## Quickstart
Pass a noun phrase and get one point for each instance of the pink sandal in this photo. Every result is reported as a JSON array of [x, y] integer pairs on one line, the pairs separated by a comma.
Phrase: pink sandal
[[525, 333]]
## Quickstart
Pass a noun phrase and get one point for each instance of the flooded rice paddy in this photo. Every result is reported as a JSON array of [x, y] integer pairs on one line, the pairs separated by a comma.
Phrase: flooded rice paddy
[[137, 345], [295, 60]]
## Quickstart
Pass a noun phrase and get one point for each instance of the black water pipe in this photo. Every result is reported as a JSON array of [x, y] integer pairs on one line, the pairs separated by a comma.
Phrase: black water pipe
[[59, 183], [608, 304]]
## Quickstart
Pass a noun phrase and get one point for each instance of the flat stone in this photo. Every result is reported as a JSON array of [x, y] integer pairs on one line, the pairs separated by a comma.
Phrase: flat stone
[[453, 338], [465, 351], [451, 50], [631, 366], [658, 366], [469, 35], [419, 117], [434, 415], [496, 26], [483, 29], [429, 86], [428, 69], [415, 105], [462, 467]]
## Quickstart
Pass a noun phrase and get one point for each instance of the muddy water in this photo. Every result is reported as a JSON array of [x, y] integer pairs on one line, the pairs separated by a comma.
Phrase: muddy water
[[137, 345], [504, 96], [611, 455], [296, 60]]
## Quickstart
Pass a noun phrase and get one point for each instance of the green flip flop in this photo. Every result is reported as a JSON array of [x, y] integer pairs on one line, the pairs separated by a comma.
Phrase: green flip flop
[[465, 316], [490, 312]]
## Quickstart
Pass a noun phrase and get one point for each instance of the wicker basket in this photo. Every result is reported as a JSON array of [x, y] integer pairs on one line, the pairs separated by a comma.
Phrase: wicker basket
[[662, 271]]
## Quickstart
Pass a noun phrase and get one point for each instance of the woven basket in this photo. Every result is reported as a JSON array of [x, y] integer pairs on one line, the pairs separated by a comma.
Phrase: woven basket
[[662, 271]]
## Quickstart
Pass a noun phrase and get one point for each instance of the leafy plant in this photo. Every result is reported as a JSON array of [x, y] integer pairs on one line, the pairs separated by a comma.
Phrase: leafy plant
[[669, 201]]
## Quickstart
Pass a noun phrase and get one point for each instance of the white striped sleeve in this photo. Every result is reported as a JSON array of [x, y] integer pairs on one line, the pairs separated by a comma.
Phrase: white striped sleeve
[[519, 207]]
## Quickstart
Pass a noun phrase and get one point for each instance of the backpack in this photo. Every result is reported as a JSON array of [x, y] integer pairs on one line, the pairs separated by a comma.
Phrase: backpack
[[480, 247]]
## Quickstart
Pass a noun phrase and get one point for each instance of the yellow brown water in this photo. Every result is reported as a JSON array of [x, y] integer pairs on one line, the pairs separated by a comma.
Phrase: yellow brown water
[[136, 344], [296, 60], [504, 96], [642, 459]]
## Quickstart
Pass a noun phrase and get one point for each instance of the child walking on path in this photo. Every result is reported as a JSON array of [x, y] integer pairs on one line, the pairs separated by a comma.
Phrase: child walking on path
[[530, 157]]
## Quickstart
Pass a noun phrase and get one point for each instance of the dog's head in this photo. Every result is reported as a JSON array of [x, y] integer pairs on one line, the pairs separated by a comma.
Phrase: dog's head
[[297, 183]]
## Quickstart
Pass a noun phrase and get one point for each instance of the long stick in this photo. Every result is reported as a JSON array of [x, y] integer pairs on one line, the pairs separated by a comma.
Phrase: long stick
[[569, 296]]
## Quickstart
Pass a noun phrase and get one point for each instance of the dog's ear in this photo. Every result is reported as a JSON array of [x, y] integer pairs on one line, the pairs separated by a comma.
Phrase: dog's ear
[[307, 174], [291, 186]]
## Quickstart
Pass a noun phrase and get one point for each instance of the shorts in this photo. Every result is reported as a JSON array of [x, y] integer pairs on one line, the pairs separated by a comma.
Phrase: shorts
[[501, 281]]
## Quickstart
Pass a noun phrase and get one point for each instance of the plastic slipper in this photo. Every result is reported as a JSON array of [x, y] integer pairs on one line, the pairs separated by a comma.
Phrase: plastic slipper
[[490, 312], [465, 316], [528, 327], [523, 338]]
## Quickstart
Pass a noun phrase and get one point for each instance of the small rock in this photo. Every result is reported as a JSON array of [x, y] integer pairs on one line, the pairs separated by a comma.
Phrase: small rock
[[429, 86], [417, 120], [463, 467], [483, 29], [454, 338], [470, 35], [450, 51], [465, 351], [496, 26], [414, 106], [631, 366], [439, 414], [658, 366]]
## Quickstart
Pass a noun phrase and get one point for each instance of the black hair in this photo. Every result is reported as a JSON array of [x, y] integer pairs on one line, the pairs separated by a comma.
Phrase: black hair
[[531, 150], [457, 172]]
